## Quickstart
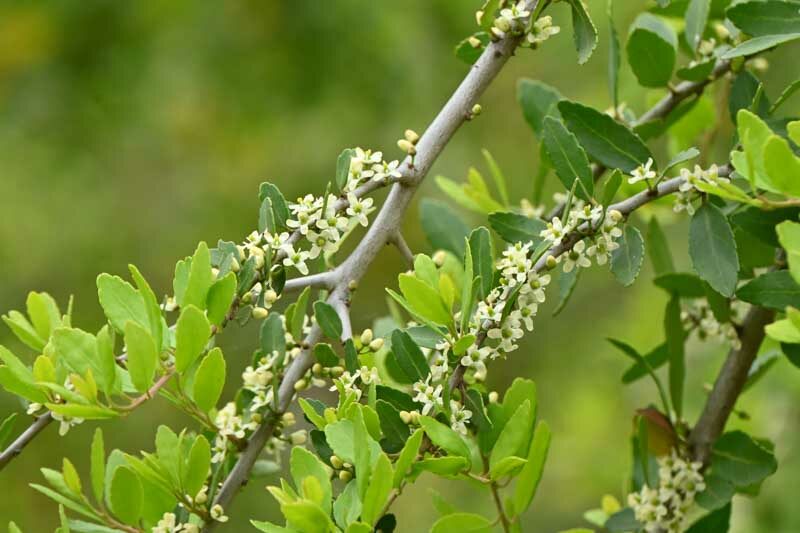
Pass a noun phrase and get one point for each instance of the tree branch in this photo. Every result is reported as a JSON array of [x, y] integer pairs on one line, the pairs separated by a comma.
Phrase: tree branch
[[729, 384], [16, 447], [324, 280], [386, 223], [400, 243]]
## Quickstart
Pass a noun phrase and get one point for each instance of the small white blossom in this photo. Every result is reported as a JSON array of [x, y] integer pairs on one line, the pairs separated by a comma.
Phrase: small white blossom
[[459, 416], [577, 257], [642, 172], [359, 208], [429, 396]]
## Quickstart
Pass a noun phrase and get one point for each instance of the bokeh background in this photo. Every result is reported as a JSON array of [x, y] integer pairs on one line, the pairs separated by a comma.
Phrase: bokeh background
[[131, 130]]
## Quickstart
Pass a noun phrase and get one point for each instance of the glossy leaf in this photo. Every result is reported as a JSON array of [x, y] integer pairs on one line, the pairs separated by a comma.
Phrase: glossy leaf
[[531, 474], [652, 50], [584, 32], [513, 227], [568, 158], [142, 355], [626, 261], [713, 249], [538, 101], [209, 380], [328, 319], [191, 336], [442, 226], [737, 458]]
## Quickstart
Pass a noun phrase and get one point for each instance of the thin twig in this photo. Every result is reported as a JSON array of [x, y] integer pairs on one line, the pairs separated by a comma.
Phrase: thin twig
[[16, 447], [400, 243]]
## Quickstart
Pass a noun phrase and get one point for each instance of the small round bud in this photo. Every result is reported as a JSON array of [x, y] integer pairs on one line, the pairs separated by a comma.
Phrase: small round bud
[[479, 17], [476, 109], [259, 261], [414, 417], [721, 31], [353, 285], [336, 462], [376, 344], [347, 466], [247, 297], [270, 296], [336, 371], [493, 397], [411, 136], [235, 265], [406, 146], [760, 64], [474, 42], [288, 419], [202, 496], [497, 33], [300, 384], [405, 416], [551, 262], [240, 249], [215, 271], [439, 257], [259, 313], [502, 24], [345, 476], [316, 369], [615, 215], [299, 437], [366, 336]]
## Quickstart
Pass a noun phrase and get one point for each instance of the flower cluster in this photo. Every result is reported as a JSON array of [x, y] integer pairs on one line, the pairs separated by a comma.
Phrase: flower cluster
[[169, 524], [515, 20], [64, 422], [699, 316], [710, 176], [665, 508]]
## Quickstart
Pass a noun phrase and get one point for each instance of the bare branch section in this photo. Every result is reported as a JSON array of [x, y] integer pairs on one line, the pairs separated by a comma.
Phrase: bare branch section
[[729, 384], [16, 447], [381, 231], [400, 243]]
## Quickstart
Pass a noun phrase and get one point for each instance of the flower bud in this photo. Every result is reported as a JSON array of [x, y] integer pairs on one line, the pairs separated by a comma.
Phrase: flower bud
[[259, 313], [414, 417], [288, 419], [474, 42], [270, 296], [439, 257], [502, 24], [615, 215], [721, 31], [551, 262], [336, 371], [760, 64], [366, 336], [299, 437], [476, 110], [316, 369], [235, 267], [406, 146], [353, 285], [259, 264], [300, 385], [215, 272], [336, 462], [345, 476], [256, 417], [376, 344], [405, 416], [479, 17], [411, 136], [247, 297], [493, 397]]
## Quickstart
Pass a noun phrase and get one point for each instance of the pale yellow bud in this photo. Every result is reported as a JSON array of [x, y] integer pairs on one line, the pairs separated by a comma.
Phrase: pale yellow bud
[[247, 298], [366, 336], [235, 265], [345, 476], [414, 417], [337, 371], [479, 17], [474, 42], [214, 272], [270, 296], [493, 397], [551, 262], [502, 24], [406, 146], [721, 31], [336, 462], [439, 257], [256, 417], [288, 419], [259, 313], [353, 285], [476, 109], [615, 215], [376, 344], [316, 369], [299, 437], [411, 136], [300, 385], [405, 416]]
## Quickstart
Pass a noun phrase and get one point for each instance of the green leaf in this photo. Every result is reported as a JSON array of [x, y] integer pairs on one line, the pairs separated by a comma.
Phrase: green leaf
[[304, 464], [307, 516], [765, 18], [482, 255], [191, 336], [611, 187], [775, 290], [508, 466], [497, 176], [715, 522], [782, 166], [328, 319], [98, 465], [43, 312], [698, 72], [614, 57], [759, 44], [77, 507], [680, 158], [298, 314], [785, 95], [279, 208], [351, 362], [126, 495], [652, 50], [142, 355], [197, 466], [424, 300], [654, 359], [538, 101], [24, 330], [409, 356], [445, 438], [515, 436], [220, 298], [200, 278], [18, 379], [713, 249], [660, 256], [361, 450], [6, 429], [789, 237], [683, 284], [514, 228], [673, 328], [696, 21], [121, 302], [378, 490], [474, 402], [343, 168], [745, 89], [469, 54], [88, 412], [626, 261], [603, 138], [737, 458], [442, 226], [528, 479], [717, 494], [347, 507], [567, 156], [462, 523], [449, 466], [584, 33], [209, 380], [406, 457], [392, 426], [272, 335], [325, 355]]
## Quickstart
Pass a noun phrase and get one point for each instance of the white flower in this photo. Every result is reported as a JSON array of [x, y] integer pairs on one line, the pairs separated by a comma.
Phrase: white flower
[[555, 231], [218, 514], [683, 202], [536, 285], [429, 396], [577, 257], [295, 258], [325, 242], [515, 263], [642, 172], [369, 375], [387, 170], [330, 219], [476, 357], [527, 307], [359, 208], [459, 417], [276, 242], [509, 332], [601, 249], [542, 30]]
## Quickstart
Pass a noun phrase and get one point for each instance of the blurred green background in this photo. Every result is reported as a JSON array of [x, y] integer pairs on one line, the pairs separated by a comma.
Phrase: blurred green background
[[131, 130]]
